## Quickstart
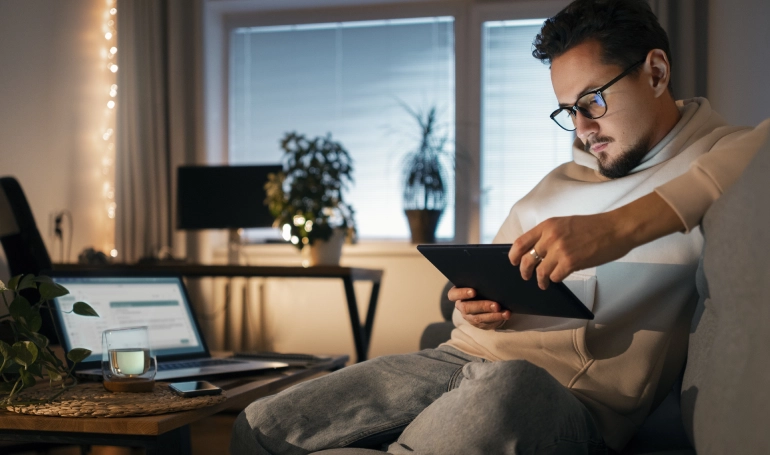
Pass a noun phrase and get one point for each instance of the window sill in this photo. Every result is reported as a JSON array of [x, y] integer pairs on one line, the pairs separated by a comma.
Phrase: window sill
[[362, 249]]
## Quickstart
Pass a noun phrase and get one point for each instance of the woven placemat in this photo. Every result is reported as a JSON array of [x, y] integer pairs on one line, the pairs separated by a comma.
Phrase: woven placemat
[[91, 400]]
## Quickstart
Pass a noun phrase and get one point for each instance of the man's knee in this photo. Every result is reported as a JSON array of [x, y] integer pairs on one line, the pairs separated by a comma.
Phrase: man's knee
[[510, 375], [258, 430], [508, 387], [242, 438]]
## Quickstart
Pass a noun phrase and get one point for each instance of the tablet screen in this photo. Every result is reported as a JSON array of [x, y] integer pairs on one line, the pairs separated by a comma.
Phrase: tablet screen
[[486, 269]]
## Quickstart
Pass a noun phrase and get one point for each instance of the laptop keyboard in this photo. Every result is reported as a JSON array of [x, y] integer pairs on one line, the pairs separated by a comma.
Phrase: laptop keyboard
[[281, 357], [180, 364]]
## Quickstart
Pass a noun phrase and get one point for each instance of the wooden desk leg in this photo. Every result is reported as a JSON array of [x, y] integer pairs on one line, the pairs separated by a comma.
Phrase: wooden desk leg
[[370, 313], [359, 337]]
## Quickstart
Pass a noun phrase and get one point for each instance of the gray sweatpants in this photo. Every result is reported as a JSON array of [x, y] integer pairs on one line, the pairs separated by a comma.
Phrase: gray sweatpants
[[436, 401]]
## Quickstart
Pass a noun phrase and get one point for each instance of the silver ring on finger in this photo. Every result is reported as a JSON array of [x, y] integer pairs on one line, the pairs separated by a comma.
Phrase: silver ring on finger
[[536, 256]]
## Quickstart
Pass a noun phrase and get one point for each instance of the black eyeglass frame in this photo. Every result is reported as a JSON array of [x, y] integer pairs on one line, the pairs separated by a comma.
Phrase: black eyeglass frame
[[574, 109]]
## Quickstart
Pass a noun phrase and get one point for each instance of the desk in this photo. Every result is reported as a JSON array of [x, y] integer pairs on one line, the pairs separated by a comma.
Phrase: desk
[[361, 334], [159, 435]]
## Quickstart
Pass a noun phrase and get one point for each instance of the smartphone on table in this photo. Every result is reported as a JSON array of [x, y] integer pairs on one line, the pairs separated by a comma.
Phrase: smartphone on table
[[194, 388]]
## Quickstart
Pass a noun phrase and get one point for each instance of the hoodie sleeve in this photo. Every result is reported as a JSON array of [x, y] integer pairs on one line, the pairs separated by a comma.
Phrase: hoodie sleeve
[[510, 229], [692, 193]]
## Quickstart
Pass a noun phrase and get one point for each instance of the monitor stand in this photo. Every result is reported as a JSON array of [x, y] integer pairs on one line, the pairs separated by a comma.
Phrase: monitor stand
[[234, 244]]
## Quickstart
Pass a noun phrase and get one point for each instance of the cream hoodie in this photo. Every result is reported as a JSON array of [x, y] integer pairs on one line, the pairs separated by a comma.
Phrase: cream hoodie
[[624, 362]]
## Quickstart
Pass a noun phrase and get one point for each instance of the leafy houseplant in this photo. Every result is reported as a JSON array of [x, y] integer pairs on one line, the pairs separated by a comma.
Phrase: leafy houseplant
[[306, 199], [425, 176], [27, 354]]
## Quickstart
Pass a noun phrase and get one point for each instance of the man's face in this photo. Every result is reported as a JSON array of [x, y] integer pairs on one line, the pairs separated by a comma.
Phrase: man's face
[[622, 137]]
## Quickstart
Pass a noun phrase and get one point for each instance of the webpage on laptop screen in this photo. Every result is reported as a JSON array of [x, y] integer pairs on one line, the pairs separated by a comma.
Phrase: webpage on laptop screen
[[128, 302]]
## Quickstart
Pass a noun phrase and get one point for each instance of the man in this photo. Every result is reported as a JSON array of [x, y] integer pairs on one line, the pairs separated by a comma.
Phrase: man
[[644, 167]]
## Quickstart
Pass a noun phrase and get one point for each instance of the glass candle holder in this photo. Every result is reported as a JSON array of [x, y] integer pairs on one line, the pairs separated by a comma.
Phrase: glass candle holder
[[128, 364]]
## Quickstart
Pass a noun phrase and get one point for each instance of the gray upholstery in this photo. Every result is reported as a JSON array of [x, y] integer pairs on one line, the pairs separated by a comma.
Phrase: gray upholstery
[[662, 430], [725, 395], [348, 451], [439, 332]]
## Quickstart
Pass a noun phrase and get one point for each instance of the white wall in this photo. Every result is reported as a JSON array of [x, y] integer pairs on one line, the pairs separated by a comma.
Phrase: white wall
[[739, 59], [52, 107], [311, 315]]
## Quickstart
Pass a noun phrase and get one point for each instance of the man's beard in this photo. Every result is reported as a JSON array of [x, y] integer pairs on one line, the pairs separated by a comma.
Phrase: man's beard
[[622, 164]]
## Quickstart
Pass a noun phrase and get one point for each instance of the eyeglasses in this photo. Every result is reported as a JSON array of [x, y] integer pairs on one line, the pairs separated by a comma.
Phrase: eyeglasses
[[591, 105]]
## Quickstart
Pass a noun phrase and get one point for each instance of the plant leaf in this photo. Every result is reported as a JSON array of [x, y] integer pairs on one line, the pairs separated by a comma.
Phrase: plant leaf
[[27, 281], [6, 350], [49, 358], [20, 308], [8, 366], [78, 354], [27, 379], [23, 313], [84, 309], [43, 279], [13, 283], [36, 369], [53, 374], [34, 321], [2, 287], [25, 353], [49, 291], [40, 340]]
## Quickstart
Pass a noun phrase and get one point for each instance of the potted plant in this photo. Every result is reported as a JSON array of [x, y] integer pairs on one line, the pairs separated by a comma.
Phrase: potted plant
[[425, 178], [306, 199], [26, 354]]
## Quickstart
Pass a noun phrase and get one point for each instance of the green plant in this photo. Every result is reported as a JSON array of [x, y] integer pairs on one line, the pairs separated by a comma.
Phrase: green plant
[[306, 199], [29, 356], [425, 175]]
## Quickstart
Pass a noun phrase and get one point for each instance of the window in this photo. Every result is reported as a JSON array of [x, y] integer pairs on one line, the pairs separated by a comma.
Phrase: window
[[519, 143], [346, 79]]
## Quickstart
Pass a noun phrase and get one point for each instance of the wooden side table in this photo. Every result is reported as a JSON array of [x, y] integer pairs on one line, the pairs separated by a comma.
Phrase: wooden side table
[[162, 434]]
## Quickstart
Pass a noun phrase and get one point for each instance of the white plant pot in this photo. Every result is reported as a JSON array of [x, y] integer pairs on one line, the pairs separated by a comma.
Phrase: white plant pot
[[324, 252]]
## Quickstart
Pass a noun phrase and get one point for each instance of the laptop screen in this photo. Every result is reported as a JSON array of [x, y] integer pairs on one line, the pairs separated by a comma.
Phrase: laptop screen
[[157, 302]]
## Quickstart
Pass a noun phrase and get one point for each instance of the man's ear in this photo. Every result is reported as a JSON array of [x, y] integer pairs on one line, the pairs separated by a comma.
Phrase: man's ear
[[660, 71]]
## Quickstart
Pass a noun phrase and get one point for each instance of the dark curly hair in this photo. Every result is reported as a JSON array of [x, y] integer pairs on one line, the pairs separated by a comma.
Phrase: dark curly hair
[[626, 29]]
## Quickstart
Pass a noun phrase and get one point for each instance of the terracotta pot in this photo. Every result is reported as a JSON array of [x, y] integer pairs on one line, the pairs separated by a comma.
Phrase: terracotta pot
[[324, 252], [423, 224]]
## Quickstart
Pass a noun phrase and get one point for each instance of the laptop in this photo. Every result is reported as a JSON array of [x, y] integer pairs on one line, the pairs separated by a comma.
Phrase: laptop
[[129, 300]]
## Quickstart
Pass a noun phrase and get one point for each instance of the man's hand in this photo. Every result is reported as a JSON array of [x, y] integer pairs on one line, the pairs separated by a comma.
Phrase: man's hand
[[568, 244], [483, 314]]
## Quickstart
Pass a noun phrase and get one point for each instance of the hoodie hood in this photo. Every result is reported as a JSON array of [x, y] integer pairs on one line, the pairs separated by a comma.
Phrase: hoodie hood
[[695, 112]]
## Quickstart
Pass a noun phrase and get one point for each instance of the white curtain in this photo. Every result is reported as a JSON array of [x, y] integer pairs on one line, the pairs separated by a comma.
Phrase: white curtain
[[158, 120], [686, 22], [159, 127]]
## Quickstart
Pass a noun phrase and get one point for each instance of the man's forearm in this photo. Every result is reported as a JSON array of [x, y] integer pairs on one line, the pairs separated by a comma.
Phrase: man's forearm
[[646, 219]]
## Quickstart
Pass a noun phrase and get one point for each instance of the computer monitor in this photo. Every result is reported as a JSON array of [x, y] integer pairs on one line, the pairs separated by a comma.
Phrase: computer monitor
[[223, 197]]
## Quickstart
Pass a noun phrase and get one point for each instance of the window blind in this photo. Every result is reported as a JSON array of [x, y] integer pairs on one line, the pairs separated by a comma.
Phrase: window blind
[[347, 79], [520, 144]]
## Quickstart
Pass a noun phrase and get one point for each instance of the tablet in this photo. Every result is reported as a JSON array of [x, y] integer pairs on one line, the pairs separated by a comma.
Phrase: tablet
[[486, 269]]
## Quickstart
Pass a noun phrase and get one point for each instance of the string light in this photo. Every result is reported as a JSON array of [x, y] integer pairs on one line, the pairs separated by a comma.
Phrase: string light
[[109, 53]]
